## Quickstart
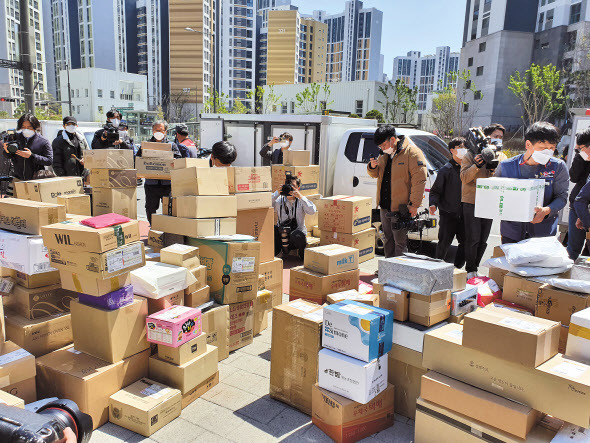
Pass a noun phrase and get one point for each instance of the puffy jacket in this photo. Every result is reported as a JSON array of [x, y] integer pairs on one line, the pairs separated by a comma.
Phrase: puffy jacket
[[446, 191], [470, 172], [579, 172], [177, 154], [63, 149], [42, 155]]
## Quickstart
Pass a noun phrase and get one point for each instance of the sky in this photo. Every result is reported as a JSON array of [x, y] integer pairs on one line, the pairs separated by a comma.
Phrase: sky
[[408, 25]]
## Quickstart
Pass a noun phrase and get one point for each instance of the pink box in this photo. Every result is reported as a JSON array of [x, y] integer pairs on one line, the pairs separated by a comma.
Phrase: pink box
[[174, 326]]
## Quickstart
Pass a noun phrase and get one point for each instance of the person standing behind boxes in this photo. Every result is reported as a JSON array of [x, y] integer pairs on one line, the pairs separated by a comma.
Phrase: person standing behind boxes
[[184, 142], [541, 139], [276, 157], [68, 150], [100, 141], [223, 154], [579, 172], [401, 172]]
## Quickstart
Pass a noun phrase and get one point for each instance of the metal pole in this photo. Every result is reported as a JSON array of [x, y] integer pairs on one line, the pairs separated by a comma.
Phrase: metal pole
[[25, 56], [69, 90]]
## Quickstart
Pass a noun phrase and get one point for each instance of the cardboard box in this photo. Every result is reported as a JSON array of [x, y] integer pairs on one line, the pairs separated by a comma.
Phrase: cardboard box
[[578, 338], [508, 416], [315, 287], [215, 322], [27, 217], [48, 189], [157, 168], [113, 300], [156, 146], [180, 255], [92, 285], [416, 273], [207, 206], [296, 158], [200, 274], [357, 330], [25, 390], [511, 336], [17, 366], [89, 381], [508, 199], [459, 279], [99, 265], [429, 310], [145, 406], [273, 272], [123, 330], [559, 305], [159, 304], [331, 259], [464, 301], [76, 204], [249, 179], [294, 362], [109, 159], [39, 336], [232, 268], [113, 178], [364, 241], [191, 227], [395, 300], [174, 326], [12, 400], [253, 200], [38, 302], [354, 379], [198, 297], [311, 220], [346, 214], [262, 306], [182, 163], [77, 237], [563, 334], [33, 281], [199, 390], [121, 201], [521, 291], [153, 153], [199, 181], [156, 239], [404, 371], [259, 223], [155, 280], [241, 324], [170, 206], [354, 295], [309, 176], [185, 352], [185, 377], [497, 275]]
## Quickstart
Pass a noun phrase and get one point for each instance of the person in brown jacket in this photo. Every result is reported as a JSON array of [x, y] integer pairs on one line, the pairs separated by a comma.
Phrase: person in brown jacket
[[401, 173]]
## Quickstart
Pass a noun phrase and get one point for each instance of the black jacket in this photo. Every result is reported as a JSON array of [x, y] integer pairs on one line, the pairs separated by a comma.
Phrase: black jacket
[[63, 149], [579, 171], [275, 157], [177, 154], [25, 168], [99, 143], [446, 191]]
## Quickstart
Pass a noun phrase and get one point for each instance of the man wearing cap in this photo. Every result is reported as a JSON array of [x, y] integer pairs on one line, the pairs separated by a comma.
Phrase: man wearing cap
[[68, 150], [185, 143]]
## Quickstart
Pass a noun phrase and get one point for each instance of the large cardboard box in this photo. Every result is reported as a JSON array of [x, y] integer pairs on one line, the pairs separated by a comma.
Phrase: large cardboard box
[[200, 389], [241, 324], [559, 305], [416, 273], [364, 241], [315, 287], [294, 357], [331, 259], [395, 300], [253, 200], [353, 294], [145, 406], [109, 159], [346, 214], [309, 176], [38, 302], [78, 204], [182, 163], [156, 146], [404, 371], [508, 199], [194, 227], [521, 291], [215, 323], [154, 167], [232, 268], [199, 181], [259, 223], [33, 281], [27, 217], [207, 206], [17, 366], [428, 310], [121, 201], [39, 336], [113, 178], [122, 331], [296, 158], [273, 279], [89, 381], [346, 421], [511, 336], [249, 179], [92, 285], [185, 352], [48, 189], [149, 154]]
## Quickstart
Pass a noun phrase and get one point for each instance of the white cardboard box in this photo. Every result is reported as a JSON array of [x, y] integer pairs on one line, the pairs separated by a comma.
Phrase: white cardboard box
[[24, 253], [157, 280], [578, 337], [354, 379], [508, 199]]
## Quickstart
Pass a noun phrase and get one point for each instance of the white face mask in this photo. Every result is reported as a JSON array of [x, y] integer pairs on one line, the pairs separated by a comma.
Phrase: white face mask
[[159, 135], [388, 151], [71, 128], [284, 144], [542, 157], [585, 156], [115, 122], [28, 133], [461, 152], [496, 141]]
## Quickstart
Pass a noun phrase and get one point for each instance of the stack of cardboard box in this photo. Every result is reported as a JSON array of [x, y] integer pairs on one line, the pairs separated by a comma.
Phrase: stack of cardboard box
[[48, 190], [156, 161], [308, 174]]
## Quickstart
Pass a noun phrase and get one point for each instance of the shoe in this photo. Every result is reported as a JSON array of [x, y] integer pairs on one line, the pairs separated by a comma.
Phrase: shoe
[[470, 275]]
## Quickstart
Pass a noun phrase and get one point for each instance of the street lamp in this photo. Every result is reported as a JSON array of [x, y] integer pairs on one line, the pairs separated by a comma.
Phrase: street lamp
[[212, 66]]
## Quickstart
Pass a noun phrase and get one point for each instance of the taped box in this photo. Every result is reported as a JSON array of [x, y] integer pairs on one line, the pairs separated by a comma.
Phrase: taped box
[[182, 163], [331, 259], [39, 336], [18, 365], [185, 352], [38, 302], [36, 280], [559, 305], [78, 204], [154, 168], [241, 324], [199, 181], [206, 206], [364, 241], [109, 159], [249, 179], [521, 291], [194, 227], [28, 217], [354, 295], [396, 300], [315, 287], [416, 273], [24, 253], [346, 214], [180, 255], [508, 199], [215, 320], [428, 310], [578, 338], [174, 326], [296, 158], [91, 285], [309, 176], [113, 178], [49, 189], [121, 201], [253, 200]]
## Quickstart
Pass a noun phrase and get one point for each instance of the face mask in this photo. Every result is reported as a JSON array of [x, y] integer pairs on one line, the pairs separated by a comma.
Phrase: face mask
[[496, 141], [122, 133], [284, 144], [585, 156], [461, 152], [159, 135], [542, 157], [71, 129], [388, 151], [115, 122], [28, 133]]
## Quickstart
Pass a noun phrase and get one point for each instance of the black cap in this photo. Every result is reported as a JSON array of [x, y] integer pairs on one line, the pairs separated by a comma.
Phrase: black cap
[[70, 120], [181, 129]]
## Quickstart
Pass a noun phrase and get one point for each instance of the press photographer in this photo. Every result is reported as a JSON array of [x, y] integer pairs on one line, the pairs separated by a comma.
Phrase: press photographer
[[291, 208], [108, 137]]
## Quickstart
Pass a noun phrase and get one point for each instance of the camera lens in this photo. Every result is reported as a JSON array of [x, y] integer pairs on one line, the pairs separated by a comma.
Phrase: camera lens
[[12, 148], [69, 415]]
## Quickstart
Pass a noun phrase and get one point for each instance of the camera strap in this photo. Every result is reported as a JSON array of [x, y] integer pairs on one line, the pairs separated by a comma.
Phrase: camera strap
[[293, 214]]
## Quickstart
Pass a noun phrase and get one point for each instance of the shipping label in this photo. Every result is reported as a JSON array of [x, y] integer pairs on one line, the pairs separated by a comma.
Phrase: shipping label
[[243, 264], [124, 258], [521, 324], [13, 356], [302, 306], [155, 391], [570, 369]]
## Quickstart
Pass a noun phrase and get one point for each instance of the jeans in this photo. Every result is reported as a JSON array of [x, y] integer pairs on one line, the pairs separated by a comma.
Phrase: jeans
[[153, 196], [477, 231], [451, 226], [575, 237], [396, 240]]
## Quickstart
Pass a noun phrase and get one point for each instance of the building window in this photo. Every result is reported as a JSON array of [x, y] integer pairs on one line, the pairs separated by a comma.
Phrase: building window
[[284, 108], [112, 94], [479, 71], [99, 93], [468, 84], [292, 107], [86, 92], [549, 19], [570, 40], [465, 107], [477, 95], [470, 61], [540, 23], [575, 13], [358, 107], [482, 47]]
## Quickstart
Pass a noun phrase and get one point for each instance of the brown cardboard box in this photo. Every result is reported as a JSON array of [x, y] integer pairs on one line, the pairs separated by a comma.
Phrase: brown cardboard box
[[185, 377], [259, 223], [198, 297], [149, 154], [17, 365], [170, 206], [497, 274], [429, 310], [404, 371], [33, 281], [41, 336], [206, 206], [122, 330], [154, 167], [200, 274], [315, 287], [215, 322], [559, 305], [331, 259], [113, 178], [2, 324], [48, 189], [249, 179], [397, 301], [180, 255], [182, 163], [273, 279], [353, 294], [253, 200], [364, 241], [459, 279], [521, 291], [12, 400], [511, 336], [294, 357], [199, 181], [158, 304], [39, 302], [293, 157], [156, 239], [27, 217], [199, 390], [309, 176], [508, 416], [78, 204], [311, 220], [89, 381], [563, 332], [92, 285], [25, 390], [156, 146], [346, 214], [241, 324], [185, 352], [262, 306], [194, 227], [121, 201], [144, 406], [108, 159], [346, 421]]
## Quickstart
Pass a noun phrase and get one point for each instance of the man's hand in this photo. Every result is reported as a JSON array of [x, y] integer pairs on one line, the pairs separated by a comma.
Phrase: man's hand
[[374, 162], [479, 161], [5, 146], [25, 153], [540, 214], [81, 160], [413, 211], [432, 210], [69, 436], [579, 225], [273, 141], [104, 136], [118, 142], [296, 194]]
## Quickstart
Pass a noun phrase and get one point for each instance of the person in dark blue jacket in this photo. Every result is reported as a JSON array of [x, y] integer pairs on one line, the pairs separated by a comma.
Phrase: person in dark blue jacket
[[579, 173], [541, 139]]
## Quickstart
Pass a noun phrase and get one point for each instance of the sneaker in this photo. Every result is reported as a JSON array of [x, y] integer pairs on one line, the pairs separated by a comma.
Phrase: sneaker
[[470, 275]]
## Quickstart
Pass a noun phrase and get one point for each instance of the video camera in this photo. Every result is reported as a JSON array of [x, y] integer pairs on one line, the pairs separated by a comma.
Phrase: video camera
[[477, 142], [413, 224], [111, 132], [9, 137]]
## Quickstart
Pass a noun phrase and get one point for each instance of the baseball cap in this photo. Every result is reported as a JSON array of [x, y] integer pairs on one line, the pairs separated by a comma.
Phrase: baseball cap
[[181, 129], [69, 119]]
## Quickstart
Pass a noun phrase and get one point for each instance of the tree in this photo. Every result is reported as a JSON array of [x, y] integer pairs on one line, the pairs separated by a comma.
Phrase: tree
[[49, 111], [266, 99], [239, 107], [4, 114], [399, 101], [159, 113], [307, 100], [375, 115], [353, 115], [540, 91], [218, 102], [176, 103]]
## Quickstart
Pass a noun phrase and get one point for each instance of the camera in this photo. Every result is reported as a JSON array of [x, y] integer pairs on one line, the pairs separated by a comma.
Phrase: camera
[[9, 137], [478, 143], [413, 224], [287, 188], [46, 425], [111, 132]]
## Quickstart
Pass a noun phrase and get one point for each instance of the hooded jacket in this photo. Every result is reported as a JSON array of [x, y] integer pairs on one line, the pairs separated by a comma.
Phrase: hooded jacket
[[63, 149], [42, 155]]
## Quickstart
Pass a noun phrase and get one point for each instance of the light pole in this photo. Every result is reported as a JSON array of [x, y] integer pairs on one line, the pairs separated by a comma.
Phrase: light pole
[[212, 67], [69, 87]]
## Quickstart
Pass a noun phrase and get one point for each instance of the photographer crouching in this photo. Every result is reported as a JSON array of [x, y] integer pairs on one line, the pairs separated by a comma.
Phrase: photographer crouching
[[291, 208]]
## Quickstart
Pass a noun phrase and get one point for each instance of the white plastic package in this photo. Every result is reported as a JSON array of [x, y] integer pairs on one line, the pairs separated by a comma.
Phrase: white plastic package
[[572, 285], [545, 252], [526, 271], [157, 280]]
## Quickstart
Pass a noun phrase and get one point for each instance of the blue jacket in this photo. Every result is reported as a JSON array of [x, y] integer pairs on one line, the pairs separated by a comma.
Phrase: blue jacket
[[581, 205], [556, 178], [177, 154]]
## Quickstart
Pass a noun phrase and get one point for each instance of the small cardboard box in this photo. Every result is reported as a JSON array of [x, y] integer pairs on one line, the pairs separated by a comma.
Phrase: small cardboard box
[[38, 302], [354, 295], [156, 146], [198, 297], [354, 379], [122, 330], [110, 301], [331, 259], [91, 285], [515, 337], [578, 338], [154, 153], [17, 366], [23, 253], [508, 199], [157, 168], [78, 204], [185, 352], [309, 176], [200, 274], [109, 159], [174, 326], [216, 325], [11, 400], [428, 310], [159, 304], [416, 273], [563, 334], [364, 241], [253, 200], [273, 272], [262, 306], [145, 406], [464, 301], [180, 255], [521, 291], [113, 178], [259, 223], [357, 330], [33, 281], [182, 163], [48, 189], [241, 324], [206, 206], [346, 421], [296, 158], [459, 279], [121, 201], [249, 179], [404, 371], [395, 300], [194, 227], [26, 390], [156, 239], [559, 305], [199, 181], [315, 287], [346, 214], [27, 217], [39, 336]]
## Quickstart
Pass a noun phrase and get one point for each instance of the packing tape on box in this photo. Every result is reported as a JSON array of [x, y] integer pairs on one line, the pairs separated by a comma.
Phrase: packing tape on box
[[217, 226], [114, 283], [118, 231], [335, 200], [579, 331]]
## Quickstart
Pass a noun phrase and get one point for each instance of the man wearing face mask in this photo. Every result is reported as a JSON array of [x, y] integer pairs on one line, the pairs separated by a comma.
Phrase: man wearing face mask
[[100, 140], [541, 139], [68, 150], [495, 132], [124, 135], [275, 156], [445, 196]]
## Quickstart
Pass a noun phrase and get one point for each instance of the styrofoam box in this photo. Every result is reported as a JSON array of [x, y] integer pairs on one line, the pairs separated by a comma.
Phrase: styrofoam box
[[578, 338], [508, 199], [24, 253], [157, 280]]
